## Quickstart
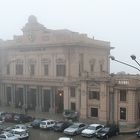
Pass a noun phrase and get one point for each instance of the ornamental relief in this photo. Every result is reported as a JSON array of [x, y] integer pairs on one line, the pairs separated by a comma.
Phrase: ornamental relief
[[31, 61], [45, 60], [60, 60]]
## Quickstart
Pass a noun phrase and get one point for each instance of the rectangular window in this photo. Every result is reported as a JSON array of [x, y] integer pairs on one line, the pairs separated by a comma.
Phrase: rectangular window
[[122, 95], [8, 69], [60, 70], [32, 69], [94, 95], [46, 70], [92, 68], [94, 112], [72, 92], [123, 113], [19, 69], [73, 106]]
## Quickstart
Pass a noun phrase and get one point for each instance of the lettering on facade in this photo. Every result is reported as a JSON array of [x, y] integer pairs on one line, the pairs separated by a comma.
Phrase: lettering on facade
[[123, 82]]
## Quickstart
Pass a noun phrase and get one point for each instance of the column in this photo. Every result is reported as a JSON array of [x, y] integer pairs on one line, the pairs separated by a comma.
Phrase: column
[[104, 103], [66, 98], [13, 95], [84, 102], [40, 98]]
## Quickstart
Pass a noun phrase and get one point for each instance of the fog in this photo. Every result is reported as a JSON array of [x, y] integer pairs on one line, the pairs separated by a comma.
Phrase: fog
[[116, 21]]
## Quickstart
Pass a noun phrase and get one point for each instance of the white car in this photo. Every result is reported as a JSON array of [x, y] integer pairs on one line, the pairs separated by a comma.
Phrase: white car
[[65, 138], [91, 130], [75, 129], [47, 124], [21, 126], [18, 126], [8, 136], [20, 133]]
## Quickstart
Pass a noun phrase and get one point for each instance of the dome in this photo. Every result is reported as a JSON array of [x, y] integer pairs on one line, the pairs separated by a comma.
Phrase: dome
[[32, 19]]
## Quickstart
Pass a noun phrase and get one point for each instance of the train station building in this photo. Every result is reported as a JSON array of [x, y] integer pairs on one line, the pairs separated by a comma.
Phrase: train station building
[[52, 70]]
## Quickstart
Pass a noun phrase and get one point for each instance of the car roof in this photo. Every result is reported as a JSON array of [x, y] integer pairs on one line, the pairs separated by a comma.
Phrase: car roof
[[65, 138], [78, 123], [95, 125], [19, 130], [47, 120]]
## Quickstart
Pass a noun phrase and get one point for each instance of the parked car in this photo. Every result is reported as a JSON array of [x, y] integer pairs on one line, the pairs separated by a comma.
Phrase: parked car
[[71, 115], [20, 133], [21, 126], [9, 117], [2, 127], [75, 129], [91, 130], [18, 126], [36, 123], [22, 118], [1, 117], [138, 133], [47, 124], [61, 125], [107, 132], [8, 136], [65, 138]]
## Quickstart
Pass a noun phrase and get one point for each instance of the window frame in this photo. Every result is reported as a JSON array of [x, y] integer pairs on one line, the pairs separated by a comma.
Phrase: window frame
[[123, 95], [96, 113], [94, 95], [123, 114], [61, 70]]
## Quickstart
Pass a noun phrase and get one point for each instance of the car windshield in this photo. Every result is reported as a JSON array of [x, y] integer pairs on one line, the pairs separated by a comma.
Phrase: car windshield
[[9, 135], [105, 129], [74, 126], [36, 121], [91, 128], [59, 124], [17, 116], [43, 123], [19, 133]]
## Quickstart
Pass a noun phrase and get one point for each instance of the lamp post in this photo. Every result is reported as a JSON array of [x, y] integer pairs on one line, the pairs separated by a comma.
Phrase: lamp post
[[132, 56]]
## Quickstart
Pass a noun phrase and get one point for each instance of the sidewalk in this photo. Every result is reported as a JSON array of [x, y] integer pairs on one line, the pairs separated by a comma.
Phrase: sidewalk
[[33, 113], [56, 117]]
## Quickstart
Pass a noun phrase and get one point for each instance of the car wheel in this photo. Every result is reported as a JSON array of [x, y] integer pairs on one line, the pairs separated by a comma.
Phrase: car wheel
[[75, 133], [117, 133], [106, 136]]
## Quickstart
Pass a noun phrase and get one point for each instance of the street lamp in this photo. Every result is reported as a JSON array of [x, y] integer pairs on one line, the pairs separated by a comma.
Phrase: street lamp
[[132, 56]]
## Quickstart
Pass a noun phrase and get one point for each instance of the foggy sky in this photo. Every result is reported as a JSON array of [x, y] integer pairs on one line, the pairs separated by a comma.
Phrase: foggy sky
[[116, 21]]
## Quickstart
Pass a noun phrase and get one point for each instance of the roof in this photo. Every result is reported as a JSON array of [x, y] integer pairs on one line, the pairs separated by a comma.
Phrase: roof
[[95, 125]]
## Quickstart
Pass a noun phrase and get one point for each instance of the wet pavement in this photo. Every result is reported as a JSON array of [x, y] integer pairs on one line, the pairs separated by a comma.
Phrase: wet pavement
[[37, 134]]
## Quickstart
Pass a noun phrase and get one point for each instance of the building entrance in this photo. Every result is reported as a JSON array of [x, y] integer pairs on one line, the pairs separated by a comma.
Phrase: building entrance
[[59, 107], [47, 100], [31, 99], [19, 98]]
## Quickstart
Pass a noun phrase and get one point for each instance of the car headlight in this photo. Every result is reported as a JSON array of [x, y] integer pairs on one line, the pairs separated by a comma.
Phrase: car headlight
[[103, 134]]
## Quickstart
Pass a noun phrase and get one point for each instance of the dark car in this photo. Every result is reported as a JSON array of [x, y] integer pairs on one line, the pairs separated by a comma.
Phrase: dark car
[[36, 123], [22, 118], [9, 117], [61, 125], [138, 133], [71, 115], [107, 132]]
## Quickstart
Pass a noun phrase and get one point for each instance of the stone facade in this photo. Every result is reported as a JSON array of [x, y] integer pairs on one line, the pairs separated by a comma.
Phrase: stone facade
[[53, 70]]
